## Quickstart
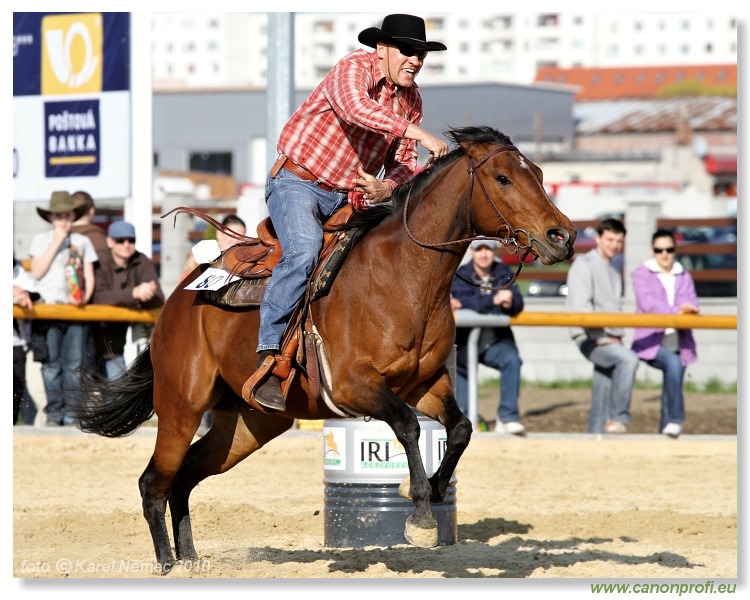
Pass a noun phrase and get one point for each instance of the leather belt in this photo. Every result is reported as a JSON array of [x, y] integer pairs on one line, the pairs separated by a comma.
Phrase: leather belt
[[284, 162]]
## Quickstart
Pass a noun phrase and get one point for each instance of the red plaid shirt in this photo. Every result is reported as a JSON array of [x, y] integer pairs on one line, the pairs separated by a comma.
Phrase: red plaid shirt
[[354, 117]]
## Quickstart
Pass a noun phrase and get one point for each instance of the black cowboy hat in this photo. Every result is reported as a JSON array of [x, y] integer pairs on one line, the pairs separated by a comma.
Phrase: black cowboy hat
[[400, 29], [61, 202]]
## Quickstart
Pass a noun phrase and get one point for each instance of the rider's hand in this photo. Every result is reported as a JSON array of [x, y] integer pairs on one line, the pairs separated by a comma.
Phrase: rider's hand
[[374, 189]]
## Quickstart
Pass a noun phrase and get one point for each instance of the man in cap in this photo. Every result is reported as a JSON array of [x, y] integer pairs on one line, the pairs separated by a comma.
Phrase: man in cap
[[353, 140], [126, 278], [62, 263], [475, 288]]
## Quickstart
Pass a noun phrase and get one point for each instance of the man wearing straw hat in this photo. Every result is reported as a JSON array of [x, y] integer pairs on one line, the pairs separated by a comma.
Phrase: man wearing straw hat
[[353, 140], [62, 262]]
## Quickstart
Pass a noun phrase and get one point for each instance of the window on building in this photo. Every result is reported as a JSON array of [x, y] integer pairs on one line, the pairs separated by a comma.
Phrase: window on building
[[547, 20], [323, 26], [709, 48], [211, 162], [434, 24]]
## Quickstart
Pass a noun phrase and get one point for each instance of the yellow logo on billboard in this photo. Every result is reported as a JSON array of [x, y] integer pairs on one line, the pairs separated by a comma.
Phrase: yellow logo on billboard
[[72, 54]]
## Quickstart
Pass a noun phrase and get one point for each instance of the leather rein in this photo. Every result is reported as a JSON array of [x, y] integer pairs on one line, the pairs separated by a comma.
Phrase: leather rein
[[510, 240]]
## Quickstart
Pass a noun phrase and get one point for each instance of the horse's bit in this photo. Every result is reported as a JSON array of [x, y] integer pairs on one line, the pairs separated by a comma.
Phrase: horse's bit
[[510, 240]]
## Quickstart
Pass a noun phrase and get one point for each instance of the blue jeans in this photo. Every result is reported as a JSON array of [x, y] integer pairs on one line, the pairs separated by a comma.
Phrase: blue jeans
[[61, 373], [612, 383], [298, 210], [672, 401], [503, 356]]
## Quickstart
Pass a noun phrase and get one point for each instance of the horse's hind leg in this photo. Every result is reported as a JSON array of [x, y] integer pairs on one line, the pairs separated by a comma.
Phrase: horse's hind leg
[[155, 483], [235, 434]]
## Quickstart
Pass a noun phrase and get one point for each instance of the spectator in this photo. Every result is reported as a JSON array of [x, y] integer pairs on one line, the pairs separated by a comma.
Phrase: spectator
[[363, 120], [497, 346], [86, 226], [126, 278], [663, 286], [62, 263], [594, 285], [223, 240], [23, 296]]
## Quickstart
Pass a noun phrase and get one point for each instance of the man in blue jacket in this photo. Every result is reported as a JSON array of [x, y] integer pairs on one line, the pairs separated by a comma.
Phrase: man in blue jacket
[[472, 289]]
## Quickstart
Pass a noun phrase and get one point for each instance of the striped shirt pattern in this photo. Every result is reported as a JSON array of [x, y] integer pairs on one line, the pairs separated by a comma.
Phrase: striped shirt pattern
[[354, 117]]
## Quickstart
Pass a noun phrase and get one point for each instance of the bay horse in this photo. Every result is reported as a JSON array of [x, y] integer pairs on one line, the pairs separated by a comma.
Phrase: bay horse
[[386, 324]]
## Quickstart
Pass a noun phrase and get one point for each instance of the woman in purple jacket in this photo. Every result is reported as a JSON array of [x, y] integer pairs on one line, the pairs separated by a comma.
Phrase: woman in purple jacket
[[663, 286]]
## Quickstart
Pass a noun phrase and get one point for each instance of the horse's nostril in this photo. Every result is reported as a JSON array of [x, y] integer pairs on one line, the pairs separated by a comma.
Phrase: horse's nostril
[[557, 236]]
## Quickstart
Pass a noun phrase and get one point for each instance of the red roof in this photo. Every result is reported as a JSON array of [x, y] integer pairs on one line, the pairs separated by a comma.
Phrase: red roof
[[721, 164], [634, 82]]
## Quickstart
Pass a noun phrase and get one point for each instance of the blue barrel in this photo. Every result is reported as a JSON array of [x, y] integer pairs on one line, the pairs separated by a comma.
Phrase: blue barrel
[[363, 466]]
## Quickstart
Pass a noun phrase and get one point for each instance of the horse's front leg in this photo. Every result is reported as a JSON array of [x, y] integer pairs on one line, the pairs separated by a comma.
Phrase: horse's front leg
[[439, 403], [421, 527]]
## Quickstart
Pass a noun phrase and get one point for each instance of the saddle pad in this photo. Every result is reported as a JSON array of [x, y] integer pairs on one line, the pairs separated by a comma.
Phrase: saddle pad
[[243, 293], [248, 293]]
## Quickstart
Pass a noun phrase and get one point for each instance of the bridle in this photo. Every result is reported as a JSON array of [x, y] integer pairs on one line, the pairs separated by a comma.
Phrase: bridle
[[511, 240]]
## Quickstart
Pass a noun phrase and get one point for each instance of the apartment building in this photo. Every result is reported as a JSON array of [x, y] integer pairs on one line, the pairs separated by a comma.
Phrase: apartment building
[[220, 50]]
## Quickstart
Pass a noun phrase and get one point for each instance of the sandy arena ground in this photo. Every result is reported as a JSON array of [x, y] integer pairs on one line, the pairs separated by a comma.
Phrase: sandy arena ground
[[544, 506]]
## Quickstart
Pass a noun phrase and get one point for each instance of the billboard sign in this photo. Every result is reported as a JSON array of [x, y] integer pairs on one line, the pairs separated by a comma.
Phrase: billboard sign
[[71, 104]]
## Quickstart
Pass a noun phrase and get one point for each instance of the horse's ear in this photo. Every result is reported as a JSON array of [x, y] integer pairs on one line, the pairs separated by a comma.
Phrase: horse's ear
[[473, 149]]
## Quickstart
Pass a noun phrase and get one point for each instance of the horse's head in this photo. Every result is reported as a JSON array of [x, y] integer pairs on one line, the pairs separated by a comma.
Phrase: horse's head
[[508, 199]]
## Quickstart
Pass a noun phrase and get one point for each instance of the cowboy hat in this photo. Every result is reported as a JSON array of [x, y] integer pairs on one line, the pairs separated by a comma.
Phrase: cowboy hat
[[400, 29], [61, 202]]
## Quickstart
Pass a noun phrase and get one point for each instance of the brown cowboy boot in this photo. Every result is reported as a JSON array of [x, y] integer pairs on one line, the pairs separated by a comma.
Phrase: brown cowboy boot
[[269, 393]]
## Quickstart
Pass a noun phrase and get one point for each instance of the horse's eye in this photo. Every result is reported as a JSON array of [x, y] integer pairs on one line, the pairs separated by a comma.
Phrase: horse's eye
[[502, 180]]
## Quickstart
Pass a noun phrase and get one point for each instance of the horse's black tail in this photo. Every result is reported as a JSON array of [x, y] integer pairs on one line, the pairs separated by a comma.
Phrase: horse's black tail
[[117, 407]]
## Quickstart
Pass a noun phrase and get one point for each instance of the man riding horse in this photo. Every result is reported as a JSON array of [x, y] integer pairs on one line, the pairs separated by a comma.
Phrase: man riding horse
[[362, 120]]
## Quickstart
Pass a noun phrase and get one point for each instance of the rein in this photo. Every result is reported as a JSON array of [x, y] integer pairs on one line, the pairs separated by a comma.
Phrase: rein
[[510, 240]]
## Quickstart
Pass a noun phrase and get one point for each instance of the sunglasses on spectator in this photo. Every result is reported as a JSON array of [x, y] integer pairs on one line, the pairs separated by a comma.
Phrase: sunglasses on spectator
[[123, 240], [407, 50], [669, 250]]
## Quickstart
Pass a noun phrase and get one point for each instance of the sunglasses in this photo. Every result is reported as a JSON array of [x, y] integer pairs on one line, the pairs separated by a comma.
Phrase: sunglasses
[[123, 240], [407, 50], [669, 250]]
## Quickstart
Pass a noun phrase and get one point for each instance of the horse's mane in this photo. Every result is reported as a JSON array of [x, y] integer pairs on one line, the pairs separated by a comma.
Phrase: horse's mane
[[368, 218]]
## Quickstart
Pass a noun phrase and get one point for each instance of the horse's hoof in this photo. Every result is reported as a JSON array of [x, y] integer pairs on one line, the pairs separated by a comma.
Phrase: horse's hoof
[[421, 537], [166, 567], [404, 489]]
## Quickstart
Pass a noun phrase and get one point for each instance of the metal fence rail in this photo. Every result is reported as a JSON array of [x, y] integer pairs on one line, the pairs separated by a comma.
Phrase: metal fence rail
[[463, 317]]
